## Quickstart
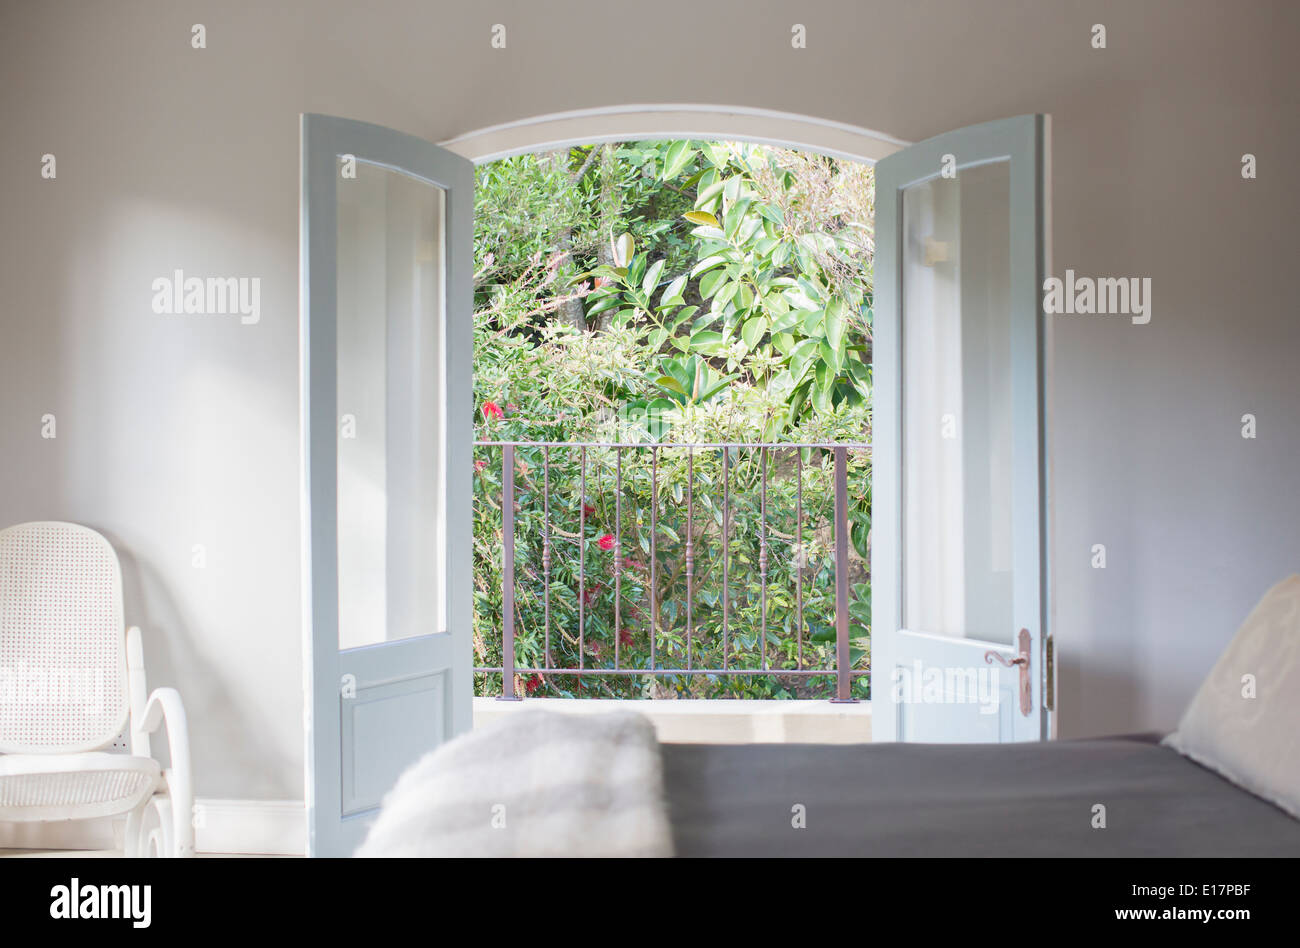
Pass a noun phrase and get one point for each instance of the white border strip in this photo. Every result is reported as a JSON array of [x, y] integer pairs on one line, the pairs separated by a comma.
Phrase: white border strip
[[613, 123]]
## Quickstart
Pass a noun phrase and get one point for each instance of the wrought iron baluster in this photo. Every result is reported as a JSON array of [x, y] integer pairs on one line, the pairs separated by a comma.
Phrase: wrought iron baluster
[[801, 557], [546, 553], [618, 551], [762, 559], [843, 673], [582, 565], [726, 554], [654, 550], [690, 551], [508, 574]]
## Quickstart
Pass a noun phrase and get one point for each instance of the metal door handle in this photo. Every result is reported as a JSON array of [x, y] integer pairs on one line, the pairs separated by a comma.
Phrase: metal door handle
[[1026, 686], [1009, 663]]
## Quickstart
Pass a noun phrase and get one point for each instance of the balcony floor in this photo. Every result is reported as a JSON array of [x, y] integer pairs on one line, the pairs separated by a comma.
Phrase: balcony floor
[[716, 721]]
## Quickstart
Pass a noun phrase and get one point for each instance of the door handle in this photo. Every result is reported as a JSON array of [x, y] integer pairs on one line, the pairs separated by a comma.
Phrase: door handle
[[1026, 686]]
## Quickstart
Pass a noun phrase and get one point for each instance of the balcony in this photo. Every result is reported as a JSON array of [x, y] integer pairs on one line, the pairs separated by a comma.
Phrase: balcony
[[724, 574]]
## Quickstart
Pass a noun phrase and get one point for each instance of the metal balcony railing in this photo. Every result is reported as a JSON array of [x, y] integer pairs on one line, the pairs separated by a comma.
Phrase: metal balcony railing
[[702, 478]]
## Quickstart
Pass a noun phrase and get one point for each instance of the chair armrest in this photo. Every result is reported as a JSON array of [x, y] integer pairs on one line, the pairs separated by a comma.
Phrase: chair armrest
[[165, 705]]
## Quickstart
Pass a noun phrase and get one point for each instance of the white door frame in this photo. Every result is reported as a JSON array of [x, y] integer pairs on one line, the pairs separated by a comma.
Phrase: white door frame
[[632, 122], [736, 123]]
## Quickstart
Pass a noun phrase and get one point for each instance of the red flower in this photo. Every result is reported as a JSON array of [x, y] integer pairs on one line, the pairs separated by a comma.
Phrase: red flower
[[479, 465], [492, 410], [625, 638], [532, 684], [588, 510], [606, 542]]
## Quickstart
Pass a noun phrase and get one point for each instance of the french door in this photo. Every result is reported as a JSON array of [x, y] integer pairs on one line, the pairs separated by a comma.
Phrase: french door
[[960, 638], [387, 345]]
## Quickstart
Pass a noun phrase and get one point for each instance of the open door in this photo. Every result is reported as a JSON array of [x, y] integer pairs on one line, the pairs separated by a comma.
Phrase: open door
[[387, 346], [960, 638]]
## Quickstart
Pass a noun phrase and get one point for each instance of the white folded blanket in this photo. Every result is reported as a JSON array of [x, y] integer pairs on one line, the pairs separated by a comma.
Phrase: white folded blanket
[[538, 783]]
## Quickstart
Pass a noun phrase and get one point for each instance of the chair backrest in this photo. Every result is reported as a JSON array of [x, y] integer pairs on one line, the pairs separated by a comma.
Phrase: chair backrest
[[62, 640]]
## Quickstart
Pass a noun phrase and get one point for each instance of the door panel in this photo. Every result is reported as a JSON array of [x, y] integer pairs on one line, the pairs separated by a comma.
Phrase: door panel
[[377, 746], [959, 554], [387, 348]]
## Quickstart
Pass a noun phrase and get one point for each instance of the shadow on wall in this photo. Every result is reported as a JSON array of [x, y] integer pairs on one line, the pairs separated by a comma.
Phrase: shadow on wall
[[171, 659]]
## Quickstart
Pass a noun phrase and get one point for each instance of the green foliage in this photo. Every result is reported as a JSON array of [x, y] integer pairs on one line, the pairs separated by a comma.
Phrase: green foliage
[[772, 296], [668, 293]]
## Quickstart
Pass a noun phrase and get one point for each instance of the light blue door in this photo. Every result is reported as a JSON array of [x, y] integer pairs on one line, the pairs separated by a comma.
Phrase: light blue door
[[959, 547], [387, 345]]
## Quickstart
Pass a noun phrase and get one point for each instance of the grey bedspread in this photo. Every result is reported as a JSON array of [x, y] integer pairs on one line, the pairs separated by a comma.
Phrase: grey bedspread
[[963, 800]]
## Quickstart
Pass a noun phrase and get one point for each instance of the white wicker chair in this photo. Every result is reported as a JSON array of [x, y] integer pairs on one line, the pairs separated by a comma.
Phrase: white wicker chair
[[70, 679]]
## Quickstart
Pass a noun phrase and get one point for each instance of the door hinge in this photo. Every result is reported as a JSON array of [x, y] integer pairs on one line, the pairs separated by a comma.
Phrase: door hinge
[[1049, 669]]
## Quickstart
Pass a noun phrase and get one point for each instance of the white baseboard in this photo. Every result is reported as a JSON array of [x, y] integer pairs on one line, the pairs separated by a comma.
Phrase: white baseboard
[[249, 827]]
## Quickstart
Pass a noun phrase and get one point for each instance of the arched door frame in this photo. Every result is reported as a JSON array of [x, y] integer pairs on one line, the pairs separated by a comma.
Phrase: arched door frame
[[633, 122]]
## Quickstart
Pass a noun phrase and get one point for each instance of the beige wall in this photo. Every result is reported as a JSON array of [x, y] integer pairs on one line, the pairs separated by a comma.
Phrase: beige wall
[[174, 431]]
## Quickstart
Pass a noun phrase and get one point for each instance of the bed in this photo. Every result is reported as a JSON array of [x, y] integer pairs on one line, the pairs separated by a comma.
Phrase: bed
[[963, 800], [602, 784]]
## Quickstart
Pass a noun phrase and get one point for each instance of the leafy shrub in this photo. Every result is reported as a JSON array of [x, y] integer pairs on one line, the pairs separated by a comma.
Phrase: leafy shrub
[[671, 293]]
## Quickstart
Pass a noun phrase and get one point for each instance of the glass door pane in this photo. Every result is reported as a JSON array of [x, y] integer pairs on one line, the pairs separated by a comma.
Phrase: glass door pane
[[390, 298], [956, 405]]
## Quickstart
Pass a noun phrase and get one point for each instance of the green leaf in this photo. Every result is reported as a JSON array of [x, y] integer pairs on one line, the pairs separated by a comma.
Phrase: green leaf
[[636, 269], [679, 156], [701, 217], [673, 295], [704, 232], [735, 217], [652, 276], [835, 324], [683, 315], [725, 294], [801, 356], [786, 321], [753, 331], [711, 283], [670, 383], [709, 194], [707, 342], [714, 389], [773, 214], [831, 357], [814, 323], [708, 263], [608, 302], [623, 248]]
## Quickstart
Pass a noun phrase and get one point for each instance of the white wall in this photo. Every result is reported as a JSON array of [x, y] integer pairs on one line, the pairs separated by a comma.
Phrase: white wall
[[174, 431]]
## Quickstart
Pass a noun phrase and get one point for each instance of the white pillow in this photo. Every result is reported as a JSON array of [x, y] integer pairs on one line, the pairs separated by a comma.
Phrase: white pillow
[[1253, 741]]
